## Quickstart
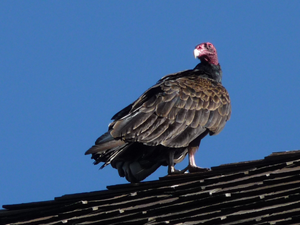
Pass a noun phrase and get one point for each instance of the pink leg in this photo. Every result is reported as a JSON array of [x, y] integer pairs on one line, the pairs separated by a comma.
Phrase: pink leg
[[192, 167], [192, 152]]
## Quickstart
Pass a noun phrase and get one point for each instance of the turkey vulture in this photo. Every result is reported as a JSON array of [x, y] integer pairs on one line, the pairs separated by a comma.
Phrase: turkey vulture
[[167, 121]]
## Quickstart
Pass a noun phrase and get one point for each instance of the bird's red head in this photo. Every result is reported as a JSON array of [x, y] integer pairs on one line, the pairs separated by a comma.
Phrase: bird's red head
[[206, 51]]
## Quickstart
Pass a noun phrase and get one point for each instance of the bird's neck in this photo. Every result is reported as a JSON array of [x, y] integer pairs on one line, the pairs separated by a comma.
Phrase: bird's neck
[[210, 70]]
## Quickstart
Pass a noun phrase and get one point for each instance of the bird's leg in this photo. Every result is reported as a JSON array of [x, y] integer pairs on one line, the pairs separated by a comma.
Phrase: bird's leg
[[171, 167], [192, 167]]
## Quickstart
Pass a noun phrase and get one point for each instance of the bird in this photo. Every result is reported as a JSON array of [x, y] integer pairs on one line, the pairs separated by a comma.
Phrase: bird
[[167, 122]]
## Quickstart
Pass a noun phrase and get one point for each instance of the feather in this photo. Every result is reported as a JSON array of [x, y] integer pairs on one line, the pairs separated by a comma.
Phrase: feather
[[164, 108], [190, 116], [197, 118], [204, 117], [154, 135], [181, 115], [146, 125], [155, 125]]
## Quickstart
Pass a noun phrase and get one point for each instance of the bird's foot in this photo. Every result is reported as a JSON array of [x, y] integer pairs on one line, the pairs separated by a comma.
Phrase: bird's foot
[[198, 169], [195, 169], [173, 171], [176, 172]]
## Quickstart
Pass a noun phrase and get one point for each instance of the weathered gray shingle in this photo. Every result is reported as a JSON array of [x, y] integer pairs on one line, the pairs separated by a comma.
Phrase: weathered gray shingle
[[259, 192]]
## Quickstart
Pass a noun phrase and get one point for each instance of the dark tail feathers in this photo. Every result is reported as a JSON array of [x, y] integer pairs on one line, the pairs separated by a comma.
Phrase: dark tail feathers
[[135, 161]]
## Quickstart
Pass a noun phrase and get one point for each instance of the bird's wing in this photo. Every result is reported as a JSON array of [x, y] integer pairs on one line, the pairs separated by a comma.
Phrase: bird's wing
[[174, 112]]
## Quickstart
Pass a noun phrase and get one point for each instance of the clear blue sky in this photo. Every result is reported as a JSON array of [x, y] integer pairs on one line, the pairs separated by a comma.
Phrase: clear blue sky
[[67, 66]]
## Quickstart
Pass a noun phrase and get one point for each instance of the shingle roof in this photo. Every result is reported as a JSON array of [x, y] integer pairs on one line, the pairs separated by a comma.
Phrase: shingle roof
[[259, 192]]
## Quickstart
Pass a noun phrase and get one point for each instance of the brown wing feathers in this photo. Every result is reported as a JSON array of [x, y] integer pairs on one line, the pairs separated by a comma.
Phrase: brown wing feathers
[[182, 110]]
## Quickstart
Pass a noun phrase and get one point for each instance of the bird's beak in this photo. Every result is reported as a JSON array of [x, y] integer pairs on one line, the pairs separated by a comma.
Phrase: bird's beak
[[196, 53]]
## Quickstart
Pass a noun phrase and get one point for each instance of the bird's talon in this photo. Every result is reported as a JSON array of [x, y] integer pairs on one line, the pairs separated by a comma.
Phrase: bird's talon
[[197, 169], [174, 172], [177, 172]]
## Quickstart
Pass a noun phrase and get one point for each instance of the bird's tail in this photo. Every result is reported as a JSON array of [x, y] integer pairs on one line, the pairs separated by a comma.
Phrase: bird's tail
[[135, 171], [130, 159], [134, 161], [137, 161], [106, 148], [103, 143]]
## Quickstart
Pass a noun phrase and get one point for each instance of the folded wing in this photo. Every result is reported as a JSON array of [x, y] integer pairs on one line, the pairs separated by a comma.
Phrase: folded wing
[[174, 112]]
